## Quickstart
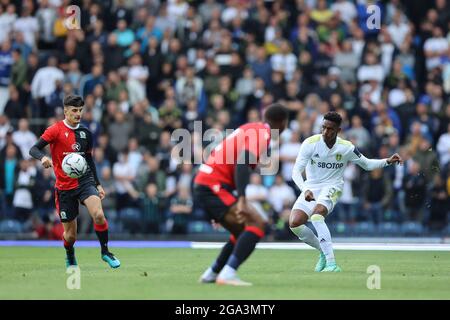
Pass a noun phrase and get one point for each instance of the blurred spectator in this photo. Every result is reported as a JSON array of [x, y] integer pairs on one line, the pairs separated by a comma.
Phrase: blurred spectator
[[24, 184], [46, 16], [151, 209], [14, 109], [124, 175], [428, 160], [443, 147], [359, 135], [348, 205], [28, 25], [377, 195], [414, 184], [109, 203], [8, 16], [439, 204], [44, 84], [257, 194], [188, 87], [24, 138], [18, 70], [280, 195], [6, 62], [435, 48], [8, 175], [284, 61], [44, 195], [120, 131], [134, 154], [179, 212]]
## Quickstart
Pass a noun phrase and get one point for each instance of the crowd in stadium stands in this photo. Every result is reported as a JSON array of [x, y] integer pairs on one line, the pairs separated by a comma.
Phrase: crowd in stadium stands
[[148, 67]]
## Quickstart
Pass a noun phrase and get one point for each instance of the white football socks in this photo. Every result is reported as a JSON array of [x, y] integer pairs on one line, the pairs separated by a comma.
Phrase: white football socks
[[306, 235], [324, 237]]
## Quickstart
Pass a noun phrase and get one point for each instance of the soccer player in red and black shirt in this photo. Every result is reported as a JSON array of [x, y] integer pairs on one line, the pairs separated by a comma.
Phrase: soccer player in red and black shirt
[[65, 137], [228, 168]]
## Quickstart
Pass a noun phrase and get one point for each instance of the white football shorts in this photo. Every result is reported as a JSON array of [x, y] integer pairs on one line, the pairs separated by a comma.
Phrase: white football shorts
[[327, 196]]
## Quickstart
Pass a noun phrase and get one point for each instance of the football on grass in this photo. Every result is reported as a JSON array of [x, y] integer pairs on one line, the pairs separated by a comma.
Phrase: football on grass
[[74, 165]]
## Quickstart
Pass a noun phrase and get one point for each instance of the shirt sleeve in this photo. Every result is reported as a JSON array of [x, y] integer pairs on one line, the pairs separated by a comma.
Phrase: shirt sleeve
[[367, 164], [303, 157], [50, 134]]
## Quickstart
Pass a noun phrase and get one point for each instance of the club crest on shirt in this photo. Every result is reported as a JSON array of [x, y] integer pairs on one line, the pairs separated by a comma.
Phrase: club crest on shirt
[[82, 135], [66, 134], [76, 147], [338, 157]]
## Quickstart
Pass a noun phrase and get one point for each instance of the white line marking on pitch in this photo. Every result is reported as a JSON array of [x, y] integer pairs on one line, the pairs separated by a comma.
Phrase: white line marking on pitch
[[338, 246]]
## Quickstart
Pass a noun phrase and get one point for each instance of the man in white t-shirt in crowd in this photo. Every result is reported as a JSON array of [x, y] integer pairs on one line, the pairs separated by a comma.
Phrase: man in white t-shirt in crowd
[[28, 25], [256, 194], [436, 49], [280, 194], [24, 138], [44, 84], [398, 29], [443, 147]]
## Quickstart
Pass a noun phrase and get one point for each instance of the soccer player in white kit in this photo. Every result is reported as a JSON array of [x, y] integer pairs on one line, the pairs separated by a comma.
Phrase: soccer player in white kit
[[325, 156]]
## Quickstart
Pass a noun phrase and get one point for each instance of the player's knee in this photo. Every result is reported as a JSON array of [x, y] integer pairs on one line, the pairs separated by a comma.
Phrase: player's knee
[[99, 217], [320, 210], [296, 219], [70, 237], [259, 222]]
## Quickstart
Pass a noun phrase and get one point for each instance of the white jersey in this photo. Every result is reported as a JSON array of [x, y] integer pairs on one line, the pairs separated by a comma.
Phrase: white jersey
[[325, 166]]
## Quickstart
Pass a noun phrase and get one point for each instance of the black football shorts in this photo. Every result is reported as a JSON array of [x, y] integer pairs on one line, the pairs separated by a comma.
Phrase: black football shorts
[[67, 201], [216, 200]]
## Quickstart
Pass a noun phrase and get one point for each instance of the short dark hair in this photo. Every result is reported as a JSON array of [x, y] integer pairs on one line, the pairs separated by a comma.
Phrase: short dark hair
[[73, 100], [333, 116], [276, 113]]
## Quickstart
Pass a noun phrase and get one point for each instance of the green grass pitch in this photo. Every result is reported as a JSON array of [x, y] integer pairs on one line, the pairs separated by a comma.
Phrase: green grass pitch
[[39, 273]]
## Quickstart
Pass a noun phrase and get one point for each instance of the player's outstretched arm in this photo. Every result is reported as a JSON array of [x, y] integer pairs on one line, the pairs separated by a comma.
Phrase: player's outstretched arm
[[395, 159], [372, 164], [37, 153], [242, 173]]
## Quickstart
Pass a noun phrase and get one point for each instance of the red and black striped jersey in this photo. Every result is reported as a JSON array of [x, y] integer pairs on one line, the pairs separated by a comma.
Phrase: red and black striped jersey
[[64, 139]]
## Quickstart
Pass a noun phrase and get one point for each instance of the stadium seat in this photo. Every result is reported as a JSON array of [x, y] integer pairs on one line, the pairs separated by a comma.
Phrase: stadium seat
[[389, 229], [131, 219], [10, 226], [365, 228], [200, 227], [115, 227], [411, 228], [447, 230], [340, 229]]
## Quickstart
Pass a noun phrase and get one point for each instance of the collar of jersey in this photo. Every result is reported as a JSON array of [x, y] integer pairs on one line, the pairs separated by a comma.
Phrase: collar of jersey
[[70, 127], [324, 143]]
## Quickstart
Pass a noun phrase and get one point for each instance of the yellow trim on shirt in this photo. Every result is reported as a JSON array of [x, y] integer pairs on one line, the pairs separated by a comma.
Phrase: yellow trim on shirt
[[313, 139]]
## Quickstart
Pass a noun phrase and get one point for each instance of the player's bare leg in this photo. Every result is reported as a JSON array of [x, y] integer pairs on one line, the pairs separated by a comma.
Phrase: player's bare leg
[[94, 206], [245, 245], [318, 220], [297, 224], [69, 238], [235, 226]]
